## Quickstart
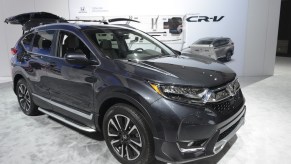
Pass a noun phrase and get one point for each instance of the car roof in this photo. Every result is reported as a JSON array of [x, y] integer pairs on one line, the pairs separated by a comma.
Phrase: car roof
[[212, 38], [78, 26]]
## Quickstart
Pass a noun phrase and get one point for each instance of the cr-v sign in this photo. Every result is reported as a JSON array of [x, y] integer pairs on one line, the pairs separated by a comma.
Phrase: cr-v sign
[[204, 18]]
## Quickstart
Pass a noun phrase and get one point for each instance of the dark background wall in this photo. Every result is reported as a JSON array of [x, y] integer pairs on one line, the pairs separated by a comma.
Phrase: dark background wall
[[284, 34]]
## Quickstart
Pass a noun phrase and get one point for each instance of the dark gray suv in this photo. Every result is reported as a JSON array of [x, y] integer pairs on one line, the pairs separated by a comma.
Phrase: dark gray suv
[[149, 101]]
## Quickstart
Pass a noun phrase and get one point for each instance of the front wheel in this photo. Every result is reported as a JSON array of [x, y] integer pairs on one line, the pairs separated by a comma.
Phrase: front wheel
[[127, 135]]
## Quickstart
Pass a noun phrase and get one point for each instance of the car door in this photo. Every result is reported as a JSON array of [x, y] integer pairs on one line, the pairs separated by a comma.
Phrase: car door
[[71, 86], [224, 47], [218, 48], [38, 57]]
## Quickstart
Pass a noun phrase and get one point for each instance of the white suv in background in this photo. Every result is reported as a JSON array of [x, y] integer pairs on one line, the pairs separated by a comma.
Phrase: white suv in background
[[214, 47]]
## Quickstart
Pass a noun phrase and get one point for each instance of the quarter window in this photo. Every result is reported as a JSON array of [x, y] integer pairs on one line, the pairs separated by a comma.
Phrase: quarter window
[[42, 43]]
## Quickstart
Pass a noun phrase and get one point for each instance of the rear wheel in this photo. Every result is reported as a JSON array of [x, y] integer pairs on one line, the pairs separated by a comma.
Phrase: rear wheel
[[228, 56], [127, 135], [25, 100]]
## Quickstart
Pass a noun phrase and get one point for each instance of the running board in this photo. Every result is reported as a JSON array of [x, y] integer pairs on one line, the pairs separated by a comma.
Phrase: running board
[[81, 127]]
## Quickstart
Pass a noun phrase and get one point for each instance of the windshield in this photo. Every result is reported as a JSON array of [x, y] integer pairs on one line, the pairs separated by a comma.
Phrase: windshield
[[126, 44]]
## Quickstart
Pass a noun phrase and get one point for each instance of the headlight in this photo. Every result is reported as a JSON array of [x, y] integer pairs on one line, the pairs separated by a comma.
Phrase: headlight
[[181, 93], [190, 94]]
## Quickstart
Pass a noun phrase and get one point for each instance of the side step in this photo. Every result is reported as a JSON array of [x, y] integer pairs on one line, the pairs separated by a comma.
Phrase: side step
[[78, 126]]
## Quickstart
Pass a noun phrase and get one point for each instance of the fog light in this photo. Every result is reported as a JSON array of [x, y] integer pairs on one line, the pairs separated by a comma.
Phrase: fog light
[[192, 146]]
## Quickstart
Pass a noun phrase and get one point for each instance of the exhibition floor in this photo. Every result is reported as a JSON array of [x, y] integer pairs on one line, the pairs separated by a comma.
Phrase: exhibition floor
[[265, 138]]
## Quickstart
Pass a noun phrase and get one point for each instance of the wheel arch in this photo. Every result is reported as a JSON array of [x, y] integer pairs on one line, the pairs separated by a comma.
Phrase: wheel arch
[[230, 50], [16, 78], [126, 99]]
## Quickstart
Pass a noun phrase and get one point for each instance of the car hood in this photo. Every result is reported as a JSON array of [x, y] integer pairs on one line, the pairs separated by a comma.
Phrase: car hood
[[182, 70]]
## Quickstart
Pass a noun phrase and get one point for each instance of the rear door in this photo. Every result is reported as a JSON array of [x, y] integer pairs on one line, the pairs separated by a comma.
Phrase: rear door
[[71, 86], [219, 48], [38, 57]]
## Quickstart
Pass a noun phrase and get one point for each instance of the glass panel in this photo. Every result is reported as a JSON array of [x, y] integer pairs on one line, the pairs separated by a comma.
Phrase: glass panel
[[42, 43], [26, 42], [70, 43], [118, 43]]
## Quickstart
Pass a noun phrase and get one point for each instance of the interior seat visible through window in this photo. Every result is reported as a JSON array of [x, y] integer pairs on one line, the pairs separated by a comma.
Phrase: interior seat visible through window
[[69, 43], [42, 43], [106, 48]]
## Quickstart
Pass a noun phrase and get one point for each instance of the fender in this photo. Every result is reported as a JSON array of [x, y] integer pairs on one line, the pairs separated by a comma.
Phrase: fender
[[131, 97]]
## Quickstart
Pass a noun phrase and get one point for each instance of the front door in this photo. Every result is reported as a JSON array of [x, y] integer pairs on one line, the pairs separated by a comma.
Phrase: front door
[[71, 86]]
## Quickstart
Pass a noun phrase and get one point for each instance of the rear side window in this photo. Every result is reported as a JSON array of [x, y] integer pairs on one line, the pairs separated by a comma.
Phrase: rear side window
[[26, 41], [42, 43]]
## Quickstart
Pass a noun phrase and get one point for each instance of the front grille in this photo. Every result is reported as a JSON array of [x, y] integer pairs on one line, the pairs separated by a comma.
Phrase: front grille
[[230, 106], [227, 131]]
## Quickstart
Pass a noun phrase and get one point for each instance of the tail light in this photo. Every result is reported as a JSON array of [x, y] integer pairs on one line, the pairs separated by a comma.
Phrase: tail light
[[13, 51]]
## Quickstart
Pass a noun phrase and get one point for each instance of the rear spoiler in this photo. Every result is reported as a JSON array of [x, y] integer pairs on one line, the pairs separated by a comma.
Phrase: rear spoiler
[[34, 19]]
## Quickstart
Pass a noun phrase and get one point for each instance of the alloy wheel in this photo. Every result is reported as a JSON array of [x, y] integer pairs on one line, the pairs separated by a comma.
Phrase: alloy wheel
[[124, 137], [24, 97]]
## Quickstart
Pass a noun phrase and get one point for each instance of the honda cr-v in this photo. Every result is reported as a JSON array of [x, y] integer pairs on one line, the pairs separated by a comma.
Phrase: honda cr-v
[[149, 101]]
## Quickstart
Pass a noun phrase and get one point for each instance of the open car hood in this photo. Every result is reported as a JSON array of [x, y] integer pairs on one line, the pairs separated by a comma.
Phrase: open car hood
[[33, 19]]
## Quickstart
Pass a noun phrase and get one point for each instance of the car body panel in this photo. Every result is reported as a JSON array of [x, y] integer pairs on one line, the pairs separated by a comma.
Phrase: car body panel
[[213, 49], [80, 92]]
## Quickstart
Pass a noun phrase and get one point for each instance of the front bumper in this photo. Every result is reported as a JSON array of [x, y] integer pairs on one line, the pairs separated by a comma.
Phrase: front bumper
[[214, 138]]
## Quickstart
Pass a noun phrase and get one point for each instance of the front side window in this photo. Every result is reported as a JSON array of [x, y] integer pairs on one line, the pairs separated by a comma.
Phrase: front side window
[[70, 43], [26, 41], [126, 44], [42, 43]]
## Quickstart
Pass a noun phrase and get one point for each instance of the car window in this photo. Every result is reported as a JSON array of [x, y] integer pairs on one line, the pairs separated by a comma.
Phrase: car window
[[70, 43], [216, 43], [42, 43], [26, 41], [134, 42], [118, 43], [204, 42], [101, 37], [223, 42]]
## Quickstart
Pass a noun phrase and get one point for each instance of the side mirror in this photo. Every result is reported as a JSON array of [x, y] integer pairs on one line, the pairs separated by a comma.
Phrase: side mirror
[[79, 59], [176, 51]]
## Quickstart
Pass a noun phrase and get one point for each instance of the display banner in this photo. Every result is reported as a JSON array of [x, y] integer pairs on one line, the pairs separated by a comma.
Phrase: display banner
[[216, 29]]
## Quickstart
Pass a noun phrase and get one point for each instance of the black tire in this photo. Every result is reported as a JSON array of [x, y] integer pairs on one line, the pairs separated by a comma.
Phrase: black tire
[[25, 101], [228, 56], [120, 134]]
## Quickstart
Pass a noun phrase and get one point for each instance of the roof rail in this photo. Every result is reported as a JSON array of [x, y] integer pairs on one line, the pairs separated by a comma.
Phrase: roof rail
[[103, 21]]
